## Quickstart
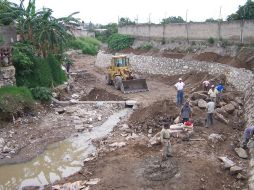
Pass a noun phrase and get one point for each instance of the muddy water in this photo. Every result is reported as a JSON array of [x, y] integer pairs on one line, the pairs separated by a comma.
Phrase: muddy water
[[58, 160]]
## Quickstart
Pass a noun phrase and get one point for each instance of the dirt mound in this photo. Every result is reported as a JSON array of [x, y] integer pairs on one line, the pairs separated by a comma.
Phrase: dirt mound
[[98, 94], [160, 108]]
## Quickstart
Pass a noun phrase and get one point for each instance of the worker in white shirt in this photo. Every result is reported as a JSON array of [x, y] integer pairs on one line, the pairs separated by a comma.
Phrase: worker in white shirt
[[209, 115], [213, 93], [206, 84], [180, 94]]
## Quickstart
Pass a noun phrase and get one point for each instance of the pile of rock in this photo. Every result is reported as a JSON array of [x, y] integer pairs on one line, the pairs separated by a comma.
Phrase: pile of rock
[[227, 107]]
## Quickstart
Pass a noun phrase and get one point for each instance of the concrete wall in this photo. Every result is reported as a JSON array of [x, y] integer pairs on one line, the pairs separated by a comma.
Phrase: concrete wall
[[240, 78], [236, 31], [82, 33], [9, 35]]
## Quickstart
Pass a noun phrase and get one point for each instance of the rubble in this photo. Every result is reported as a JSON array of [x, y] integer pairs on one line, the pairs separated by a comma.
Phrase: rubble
[[215, 138], [118, 144], [93, 181], [202, 104], [229, 108], [241, 153], [227, 162], [235, 170]]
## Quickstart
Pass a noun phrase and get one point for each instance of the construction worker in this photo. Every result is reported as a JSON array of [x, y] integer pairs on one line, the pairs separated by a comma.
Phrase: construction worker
[[165, 140], [206, 84], [220, 89], [209, 114], [186, 112], [213, 93], [247, 134], [180, 94]]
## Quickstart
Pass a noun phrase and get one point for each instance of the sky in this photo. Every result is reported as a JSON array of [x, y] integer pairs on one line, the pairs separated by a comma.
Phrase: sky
[[108, 11]]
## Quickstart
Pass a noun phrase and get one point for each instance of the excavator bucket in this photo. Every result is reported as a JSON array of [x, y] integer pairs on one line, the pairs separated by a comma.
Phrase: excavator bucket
[[134, 85]]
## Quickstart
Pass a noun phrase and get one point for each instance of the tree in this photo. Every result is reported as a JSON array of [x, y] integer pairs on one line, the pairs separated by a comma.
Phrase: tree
[[125, 21], [40, 28], [172, 19], [211, 20], [8, 11], [244, 12]]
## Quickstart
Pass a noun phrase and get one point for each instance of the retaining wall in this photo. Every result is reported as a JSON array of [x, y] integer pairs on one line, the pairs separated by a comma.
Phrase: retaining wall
[[239, 78], [237, 31]]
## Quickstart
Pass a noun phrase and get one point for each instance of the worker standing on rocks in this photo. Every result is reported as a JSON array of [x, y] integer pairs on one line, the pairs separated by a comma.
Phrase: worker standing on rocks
[[165, 140], [209, 115], [186, 112], [220, 89], [206, 84], [213, 93], [247, 134], [180, 94]]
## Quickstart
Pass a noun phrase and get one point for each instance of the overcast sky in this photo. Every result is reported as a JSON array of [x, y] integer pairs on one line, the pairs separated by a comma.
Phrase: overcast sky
[[106, 11]]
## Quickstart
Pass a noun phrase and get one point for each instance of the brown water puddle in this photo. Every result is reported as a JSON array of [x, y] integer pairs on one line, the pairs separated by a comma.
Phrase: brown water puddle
[[59, 160]]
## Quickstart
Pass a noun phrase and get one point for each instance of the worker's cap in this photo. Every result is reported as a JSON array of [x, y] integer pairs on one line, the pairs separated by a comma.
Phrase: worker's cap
[[180, 78], [212, 86]]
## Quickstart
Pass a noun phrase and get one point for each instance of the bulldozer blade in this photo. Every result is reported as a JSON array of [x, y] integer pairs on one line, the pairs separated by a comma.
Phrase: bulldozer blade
[[133, 86]]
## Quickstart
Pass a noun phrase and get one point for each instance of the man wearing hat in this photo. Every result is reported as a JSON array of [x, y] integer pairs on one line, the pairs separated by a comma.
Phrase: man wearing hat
[[213, 93], [179, 87]]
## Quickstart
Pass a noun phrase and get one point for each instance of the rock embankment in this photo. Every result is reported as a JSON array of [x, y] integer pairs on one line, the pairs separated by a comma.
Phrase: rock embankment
[[239, 78]]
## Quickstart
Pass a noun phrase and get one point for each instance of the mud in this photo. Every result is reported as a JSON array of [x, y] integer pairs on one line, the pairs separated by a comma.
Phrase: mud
[[98, 94]]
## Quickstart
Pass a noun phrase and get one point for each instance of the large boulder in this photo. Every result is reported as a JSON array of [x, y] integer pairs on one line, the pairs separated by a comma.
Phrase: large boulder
[[198, 95], [220, 118], [229, 108], [155, 140], [202, 104], [241, 153]]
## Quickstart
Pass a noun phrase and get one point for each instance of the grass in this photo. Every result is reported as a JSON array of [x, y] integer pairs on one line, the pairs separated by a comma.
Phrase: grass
[[15, 101], [88, 45]]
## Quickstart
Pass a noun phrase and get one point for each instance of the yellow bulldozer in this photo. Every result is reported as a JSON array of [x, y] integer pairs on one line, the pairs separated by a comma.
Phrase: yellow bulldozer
[[120, 75]]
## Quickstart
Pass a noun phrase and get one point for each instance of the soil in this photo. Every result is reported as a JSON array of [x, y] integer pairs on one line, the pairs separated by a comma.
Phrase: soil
[[98, 94], [194, 164]]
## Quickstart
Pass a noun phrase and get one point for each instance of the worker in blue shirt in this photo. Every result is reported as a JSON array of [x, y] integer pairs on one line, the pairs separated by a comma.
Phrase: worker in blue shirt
[[220, 89]]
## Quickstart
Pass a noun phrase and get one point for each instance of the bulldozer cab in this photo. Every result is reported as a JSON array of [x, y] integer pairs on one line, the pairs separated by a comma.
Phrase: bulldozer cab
[[120, 61]]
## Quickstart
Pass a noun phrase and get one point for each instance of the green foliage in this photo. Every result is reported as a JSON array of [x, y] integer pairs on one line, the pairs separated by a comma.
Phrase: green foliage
[[9, 12], [40, 28], [211, 40], [212, 20], [146, 46], [42, 93], [125, 21], [86, 44], [119, 41], [110, 29], [224, 43], [14, 101], [57, 73], [172, 19], [244, 12]]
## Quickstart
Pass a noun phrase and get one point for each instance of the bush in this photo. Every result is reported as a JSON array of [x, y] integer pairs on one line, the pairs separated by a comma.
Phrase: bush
[[15, 101], [119, 41], [42, 93], [211, 40], [57, 73], [86, 44], [146, 46]]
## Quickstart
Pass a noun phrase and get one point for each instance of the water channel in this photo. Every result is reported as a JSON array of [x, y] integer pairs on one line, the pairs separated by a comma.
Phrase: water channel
[[59, 160]]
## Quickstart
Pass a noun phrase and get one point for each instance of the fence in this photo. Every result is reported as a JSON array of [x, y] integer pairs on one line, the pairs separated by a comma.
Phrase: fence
[[235, 31]]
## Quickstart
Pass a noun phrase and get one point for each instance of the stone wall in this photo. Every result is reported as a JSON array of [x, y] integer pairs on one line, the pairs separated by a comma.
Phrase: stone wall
[[240, 78], [7, 76], [236, 31]]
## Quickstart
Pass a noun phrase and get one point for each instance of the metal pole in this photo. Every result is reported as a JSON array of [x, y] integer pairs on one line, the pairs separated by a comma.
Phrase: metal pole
[[187, 32]]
